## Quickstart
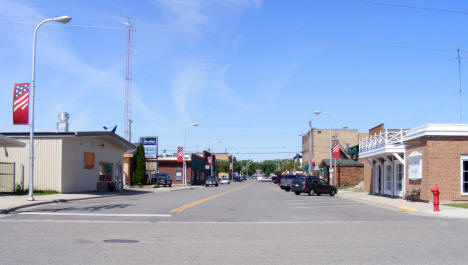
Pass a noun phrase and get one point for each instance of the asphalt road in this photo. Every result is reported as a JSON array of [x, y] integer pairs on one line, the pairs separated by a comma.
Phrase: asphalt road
[[240, 223]]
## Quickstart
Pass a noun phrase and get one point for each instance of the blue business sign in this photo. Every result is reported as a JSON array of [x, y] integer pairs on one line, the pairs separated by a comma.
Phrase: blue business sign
[[149, 140], [150, 144], [150, 152]]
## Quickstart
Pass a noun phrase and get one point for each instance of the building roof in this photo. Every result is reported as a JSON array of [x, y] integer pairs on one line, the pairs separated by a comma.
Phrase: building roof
[[342, 162], [437, 130], [108, 135], [9, 142]]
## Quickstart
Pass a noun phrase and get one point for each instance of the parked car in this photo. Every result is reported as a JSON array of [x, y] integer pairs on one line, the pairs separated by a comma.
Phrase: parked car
[[211, 180], [225, 180], [287, 181], [162, 179], [244, 178], [237, 178], [311, 185], [274, 179]]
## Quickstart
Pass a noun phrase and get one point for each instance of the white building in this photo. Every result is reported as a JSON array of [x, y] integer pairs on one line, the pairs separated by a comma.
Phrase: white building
[[69, 161]]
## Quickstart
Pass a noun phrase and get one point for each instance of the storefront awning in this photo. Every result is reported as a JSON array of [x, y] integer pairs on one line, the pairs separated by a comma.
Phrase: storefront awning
[[10, 142]]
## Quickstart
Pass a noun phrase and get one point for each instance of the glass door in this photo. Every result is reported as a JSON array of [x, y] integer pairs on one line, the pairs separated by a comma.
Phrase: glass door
[[388, 178], [398, 179]]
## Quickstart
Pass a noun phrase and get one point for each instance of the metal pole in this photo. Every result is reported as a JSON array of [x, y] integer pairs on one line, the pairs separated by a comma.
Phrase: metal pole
[[212, 162], [459, 80], [330, 161], [184, 170], [31, 111], [310, 147]]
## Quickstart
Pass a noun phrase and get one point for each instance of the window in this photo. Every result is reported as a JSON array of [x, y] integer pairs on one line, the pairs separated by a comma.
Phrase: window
[[464, 174], [105, 171], [399, 173], [178, 174], [388, 182], [414, 166]]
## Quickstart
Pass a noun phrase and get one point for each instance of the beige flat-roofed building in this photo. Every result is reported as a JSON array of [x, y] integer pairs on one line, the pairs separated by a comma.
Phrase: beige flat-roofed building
[[69, 161]]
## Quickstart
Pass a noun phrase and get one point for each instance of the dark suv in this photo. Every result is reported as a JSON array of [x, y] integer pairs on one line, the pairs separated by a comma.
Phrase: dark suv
[[162, 179], [311, 185], [287, 181]]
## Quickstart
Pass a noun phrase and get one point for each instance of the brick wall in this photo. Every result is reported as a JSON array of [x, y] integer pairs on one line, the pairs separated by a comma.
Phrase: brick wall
[[171, 168], [349, 175], [440, 165], [321, 143]]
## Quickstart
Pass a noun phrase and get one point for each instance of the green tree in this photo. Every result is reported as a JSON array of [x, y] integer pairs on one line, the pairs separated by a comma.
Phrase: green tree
[[222, 166], [139, 167]]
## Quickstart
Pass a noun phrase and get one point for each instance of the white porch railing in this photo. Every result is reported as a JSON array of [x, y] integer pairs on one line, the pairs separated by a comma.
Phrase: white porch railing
[[381, 140]]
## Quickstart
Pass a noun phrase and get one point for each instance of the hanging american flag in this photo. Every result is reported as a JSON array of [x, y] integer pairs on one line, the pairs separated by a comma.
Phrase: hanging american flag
[[180, 154], [230, 166], [21, 103], [336, 148]]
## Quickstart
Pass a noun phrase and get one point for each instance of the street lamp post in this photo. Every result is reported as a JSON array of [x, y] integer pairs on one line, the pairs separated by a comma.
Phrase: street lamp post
[[211, 152], [184, 171], [63, 19], [310, 147], [317, 112]]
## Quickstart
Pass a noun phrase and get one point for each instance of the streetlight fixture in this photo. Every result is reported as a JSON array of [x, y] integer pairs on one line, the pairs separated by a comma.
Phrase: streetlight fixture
[[317, 112], [183, 156], [62, 19], [211, 152]]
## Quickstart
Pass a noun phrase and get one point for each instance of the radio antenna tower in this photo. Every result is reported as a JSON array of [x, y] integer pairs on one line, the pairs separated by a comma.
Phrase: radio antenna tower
[[128, 81]]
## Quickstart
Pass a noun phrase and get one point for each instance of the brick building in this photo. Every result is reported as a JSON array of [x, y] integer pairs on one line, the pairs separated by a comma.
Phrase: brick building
[[320, 144], [197, 169], [348, 172], [398, 161]]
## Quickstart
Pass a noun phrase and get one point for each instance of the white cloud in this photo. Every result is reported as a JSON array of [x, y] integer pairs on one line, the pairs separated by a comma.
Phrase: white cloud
[[194, 77]]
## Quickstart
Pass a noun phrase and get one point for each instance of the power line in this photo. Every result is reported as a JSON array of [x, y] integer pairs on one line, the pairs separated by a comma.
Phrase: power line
[[408, 6]]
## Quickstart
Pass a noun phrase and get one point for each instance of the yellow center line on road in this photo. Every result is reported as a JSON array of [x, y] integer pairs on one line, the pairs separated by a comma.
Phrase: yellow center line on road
[[188, 205]]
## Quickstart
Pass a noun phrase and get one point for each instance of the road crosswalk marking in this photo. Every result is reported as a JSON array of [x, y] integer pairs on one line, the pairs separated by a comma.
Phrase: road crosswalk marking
[[95, 214]]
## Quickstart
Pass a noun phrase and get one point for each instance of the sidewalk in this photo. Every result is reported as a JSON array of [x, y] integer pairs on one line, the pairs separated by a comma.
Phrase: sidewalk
[[398, 204], [10, 203]]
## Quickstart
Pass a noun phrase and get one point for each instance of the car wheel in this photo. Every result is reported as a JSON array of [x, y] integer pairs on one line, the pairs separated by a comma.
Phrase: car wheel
[[297, 192], [311, 192], [287, 189], [332, 193], [216, 185], [170, 185], [207, 185]]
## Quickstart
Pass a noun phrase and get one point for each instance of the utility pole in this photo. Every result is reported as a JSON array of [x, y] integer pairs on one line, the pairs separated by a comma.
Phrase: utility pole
[[128, 80], [459, 80]]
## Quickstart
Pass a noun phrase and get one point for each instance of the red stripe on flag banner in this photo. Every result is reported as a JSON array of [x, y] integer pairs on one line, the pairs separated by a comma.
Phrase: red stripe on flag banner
[[180, 154], [21, 103], [336, 149]]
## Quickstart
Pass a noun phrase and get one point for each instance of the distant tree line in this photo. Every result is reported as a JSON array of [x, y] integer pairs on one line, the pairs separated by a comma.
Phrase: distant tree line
[[248, 167]]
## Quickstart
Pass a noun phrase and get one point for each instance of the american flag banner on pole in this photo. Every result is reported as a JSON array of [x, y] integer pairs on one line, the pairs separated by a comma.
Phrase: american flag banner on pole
[[180, 154], [336, 149], [230, 166], [21, 103]]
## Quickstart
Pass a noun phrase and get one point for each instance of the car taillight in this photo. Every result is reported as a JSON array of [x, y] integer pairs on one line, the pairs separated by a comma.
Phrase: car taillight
[[303, 185]]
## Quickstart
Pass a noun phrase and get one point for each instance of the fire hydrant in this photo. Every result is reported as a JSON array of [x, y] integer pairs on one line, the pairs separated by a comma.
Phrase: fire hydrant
[[435, 191]]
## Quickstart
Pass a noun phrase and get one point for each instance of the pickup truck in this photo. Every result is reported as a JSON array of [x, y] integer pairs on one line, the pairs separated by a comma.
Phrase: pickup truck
[[162, 179]]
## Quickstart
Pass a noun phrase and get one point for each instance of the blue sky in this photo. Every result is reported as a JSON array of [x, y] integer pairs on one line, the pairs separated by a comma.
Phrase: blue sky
[[251, 72]]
